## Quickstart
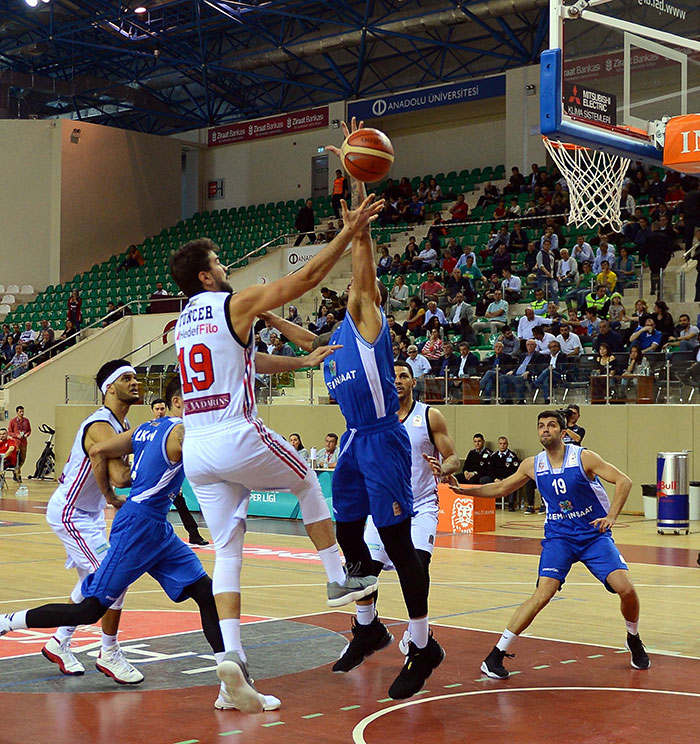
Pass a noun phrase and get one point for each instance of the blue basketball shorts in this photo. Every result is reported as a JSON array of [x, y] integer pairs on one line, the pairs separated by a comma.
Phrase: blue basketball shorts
[[373, 476], [598, 553], [141, 543]]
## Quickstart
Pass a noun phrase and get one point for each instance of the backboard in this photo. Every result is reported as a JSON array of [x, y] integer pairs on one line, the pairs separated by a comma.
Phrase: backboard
[[617, 70]]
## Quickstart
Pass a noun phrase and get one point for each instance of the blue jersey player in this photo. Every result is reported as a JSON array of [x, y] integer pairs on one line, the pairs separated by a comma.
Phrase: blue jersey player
[[373, 472], [142, 540], [577, 527]]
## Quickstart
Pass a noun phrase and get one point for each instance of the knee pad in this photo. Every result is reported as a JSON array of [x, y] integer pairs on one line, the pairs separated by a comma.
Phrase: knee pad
[[227, 567], [311, 502], [350, 536]]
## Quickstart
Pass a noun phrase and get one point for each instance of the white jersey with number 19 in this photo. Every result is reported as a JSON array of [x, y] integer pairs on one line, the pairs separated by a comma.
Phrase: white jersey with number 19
[[216, 367]]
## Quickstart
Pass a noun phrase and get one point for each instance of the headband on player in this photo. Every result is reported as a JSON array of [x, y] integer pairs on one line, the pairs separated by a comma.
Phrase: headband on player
[[115, 376]]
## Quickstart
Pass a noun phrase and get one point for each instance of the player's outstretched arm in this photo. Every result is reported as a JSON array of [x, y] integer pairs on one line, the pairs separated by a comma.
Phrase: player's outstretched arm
[[594, 465], [270, 364], [298, 335], [245, 306], [445, 446], [107, 467], [520, 477]]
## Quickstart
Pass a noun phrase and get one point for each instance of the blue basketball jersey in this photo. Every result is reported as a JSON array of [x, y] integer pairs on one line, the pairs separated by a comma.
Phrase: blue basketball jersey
[[572, 499], [155, 480], [360, 376]]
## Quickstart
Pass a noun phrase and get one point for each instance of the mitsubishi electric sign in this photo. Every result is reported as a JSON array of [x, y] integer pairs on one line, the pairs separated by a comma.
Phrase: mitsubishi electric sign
[[441, 95]]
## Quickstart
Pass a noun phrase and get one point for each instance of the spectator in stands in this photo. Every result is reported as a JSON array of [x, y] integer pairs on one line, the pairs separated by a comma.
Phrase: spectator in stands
[[657, 188], [606, 363], [498, 364], [616, 311], [604, 252], [405, 188], [398, 297], [553, 317], [637, 365], [542, 338], [74, 310], [396, 265], [392, 192], [416, 315], [157, 300], [260, 346], [434, 311], [458, 283], [642, 234], [526, 324], [459, 211], [546, 270], [384, 263], [539, 304], [69, 336], [43, 349], [569, 342], [553, 238], [627, 204], [329, 297], [433, 350], [422, 191], [518, 239], [535, 180], [132, 260], [450, 361], [7, 347], [293, 315], [389, 214], [606, 277], [487, 296], [279, 348], [663, 321], [420, 366], [511, 343], [511, 286], [686, 336], [431, 288], [500, 212], [112, 314], [527, 367], [454, 248], [624, 268], [460, 315], [328, 455], [415, 211], [426, 259], [502, 464], [656, 253], [647, 337], [341, 190], [498, 237], [472, 273], [434, 192], [575, 322], [295, 441], [586, 285], [27, 337], [496, 314], [44, 326], [501, 259], [591, 323], [330, 233], [305, 222], [551, 376], [530, 262], [19, 362], [447, 262], [666, 227], [598, 300], [567, 270], [606, 335], [490, 195], [468, 361], [436, 232], [516, 182], [398, 330]]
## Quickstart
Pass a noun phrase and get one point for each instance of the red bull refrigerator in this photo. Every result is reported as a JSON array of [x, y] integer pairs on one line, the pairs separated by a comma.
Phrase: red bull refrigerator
[[673, 511]]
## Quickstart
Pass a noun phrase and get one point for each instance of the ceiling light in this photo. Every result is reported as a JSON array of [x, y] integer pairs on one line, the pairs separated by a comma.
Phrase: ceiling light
[[32, 3], [140, 9]]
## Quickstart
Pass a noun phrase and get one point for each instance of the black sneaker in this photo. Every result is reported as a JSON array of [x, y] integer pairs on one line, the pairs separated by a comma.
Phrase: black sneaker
[[419, 665], [529, 510], [492, 665], [640, 658], [366, 639], [198, 540]]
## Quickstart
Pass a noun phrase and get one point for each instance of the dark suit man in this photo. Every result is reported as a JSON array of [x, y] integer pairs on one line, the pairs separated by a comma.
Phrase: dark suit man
[[558, 363], [528, 366]]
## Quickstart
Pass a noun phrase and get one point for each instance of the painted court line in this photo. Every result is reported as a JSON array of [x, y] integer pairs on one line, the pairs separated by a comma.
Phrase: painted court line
[[313, 715], [351, 707], [231, 733]]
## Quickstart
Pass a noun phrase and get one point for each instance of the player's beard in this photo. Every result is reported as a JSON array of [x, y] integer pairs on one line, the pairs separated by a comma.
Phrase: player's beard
[[225, 287]]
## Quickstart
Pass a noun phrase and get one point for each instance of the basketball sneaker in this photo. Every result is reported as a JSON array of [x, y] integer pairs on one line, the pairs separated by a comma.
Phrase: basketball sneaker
[[225, 701], [61, 654], [242, 695], [403, 643], [112, 663], [492, 665], [419, 665], [640, 658], [366, 639], [352, 589]]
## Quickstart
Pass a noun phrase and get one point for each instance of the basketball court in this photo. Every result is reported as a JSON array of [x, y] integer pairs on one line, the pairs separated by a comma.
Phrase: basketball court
[[569, 664]]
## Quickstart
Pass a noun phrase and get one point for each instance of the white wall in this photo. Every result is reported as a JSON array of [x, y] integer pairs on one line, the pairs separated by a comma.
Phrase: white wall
[[523, 142]]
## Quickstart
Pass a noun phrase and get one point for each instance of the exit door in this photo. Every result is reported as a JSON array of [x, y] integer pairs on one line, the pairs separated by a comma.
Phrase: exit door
[[319, 176]]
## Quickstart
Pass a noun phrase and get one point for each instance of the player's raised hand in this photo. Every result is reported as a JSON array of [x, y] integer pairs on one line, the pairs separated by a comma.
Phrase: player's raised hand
[[603, 524], [358, 219], [435, 465], [318, 355], [354, 126]]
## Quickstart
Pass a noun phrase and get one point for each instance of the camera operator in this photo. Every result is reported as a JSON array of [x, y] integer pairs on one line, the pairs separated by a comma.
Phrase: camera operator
[[573, 434]]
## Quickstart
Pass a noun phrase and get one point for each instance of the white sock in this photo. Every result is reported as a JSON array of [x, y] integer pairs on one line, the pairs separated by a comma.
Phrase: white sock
[[64, 634], [418, 630], [231, 632], [109, 641], [632, 628], [365, 613], [506, 639], [330, 557], [17, 620]]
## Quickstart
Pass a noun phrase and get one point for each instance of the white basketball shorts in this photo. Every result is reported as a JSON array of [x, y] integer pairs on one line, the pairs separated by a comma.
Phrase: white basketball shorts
[[83, 534], [423, 531]]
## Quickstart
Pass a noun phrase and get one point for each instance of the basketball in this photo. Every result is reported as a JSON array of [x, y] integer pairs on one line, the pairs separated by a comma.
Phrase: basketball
[[367, 155]]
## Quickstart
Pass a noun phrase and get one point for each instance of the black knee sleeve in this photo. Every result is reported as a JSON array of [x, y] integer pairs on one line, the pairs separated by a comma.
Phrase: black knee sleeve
[[87, 612], [351, 538], [424, 557], [399, 547], [201, 592]]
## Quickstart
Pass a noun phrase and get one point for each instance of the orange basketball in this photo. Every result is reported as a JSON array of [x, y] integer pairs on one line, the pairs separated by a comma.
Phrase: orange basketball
[[367, 155]]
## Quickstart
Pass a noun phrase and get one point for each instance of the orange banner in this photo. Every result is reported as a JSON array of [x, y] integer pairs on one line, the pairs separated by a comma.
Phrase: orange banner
[[682, 148]]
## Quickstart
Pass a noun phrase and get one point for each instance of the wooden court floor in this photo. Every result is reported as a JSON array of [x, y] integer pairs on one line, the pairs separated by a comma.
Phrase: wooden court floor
[[573, 678]]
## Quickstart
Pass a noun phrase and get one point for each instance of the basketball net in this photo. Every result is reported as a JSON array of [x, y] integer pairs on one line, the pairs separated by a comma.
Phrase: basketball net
[[594, 178]]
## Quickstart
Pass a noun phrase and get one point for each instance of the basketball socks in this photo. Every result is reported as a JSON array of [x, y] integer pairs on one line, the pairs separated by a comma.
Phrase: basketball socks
[[632, 628], [64, 633], [365, 613], [330, 557], [17, 620], [418, 630], [109, 641], [506, 639], [231, 633]]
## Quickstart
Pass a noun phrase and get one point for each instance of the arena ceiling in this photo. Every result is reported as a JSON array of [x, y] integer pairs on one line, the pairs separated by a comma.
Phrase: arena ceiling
[[184, 64]]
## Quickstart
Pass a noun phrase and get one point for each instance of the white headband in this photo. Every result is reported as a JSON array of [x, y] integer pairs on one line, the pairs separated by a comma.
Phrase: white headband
[[115, 376]]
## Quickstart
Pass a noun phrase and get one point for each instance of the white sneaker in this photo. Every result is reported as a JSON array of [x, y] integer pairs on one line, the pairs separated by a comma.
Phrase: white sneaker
[[234, 674], [113, 663], [225, 701], [403, 643], [5, 623], [61, 654]]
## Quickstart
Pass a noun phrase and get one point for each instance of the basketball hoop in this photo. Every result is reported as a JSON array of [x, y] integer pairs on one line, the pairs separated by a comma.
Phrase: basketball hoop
[[594, 178]]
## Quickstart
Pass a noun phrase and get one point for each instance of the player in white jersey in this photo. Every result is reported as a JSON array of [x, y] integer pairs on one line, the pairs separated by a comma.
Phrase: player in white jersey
[[433, 457], [227, 450], [76, 514]]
